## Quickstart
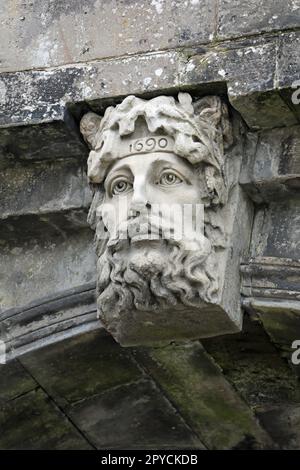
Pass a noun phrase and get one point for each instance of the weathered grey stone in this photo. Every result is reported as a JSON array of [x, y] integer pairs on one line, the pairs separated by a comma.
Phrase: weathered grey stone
[[243, 17], [288, 70], [48, 141], [35, 35], [15, 381], [271, 277], [288, 58], [283, 424], [250, 69], [55, 67], [32, 97], [194, 383], [271, 165], [41, 266], [135, 416], [43, 188], [51, 90], [276, 230], [45, 320], [281, 320], [252, 364], [94, 362], [17, 229], [33, 422]]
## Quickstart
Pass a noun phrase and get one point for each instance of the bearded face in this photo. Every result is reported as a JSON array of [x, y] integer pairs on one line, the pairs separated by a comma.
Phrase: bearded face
[[153, 254]]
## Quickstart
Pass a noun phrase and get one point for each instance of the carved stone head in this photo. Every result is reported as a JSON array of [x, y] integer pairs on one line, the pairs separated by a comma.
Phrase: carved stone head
[[163, 212]]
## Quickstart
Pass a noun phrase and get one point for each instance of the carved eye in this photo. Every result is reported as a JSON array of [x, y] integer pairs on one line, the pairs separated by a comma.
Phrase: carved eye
[[169, 178], [120, 186]]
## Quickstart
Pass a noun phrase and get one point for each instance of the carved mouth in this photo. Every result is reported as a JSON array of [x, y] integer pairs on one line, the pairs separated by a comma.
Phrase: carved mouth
[[138, 231]]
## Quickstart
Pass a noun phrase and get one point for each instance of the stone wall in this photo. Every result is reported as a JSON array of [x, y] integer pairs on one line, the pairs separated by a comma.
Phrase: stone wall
[[60, 59]]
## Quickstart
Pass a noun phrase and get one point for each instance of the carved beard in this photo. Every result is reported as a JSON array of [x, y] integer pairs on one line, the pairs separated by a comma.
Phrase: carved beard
[[154, 275]]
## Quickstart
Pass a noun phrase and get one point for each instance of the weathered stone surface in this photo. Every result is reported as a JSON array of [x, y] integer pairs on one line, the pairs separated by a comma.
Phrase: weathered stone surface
[[94, 362], [32, 97], [276, 230], [271, 277], [43, 188], [52, 89], [56, 66], [31, 228], [242, 17], [283, 424], [281, 320], [135, 416], [251, 93], [194, 383], [33, 422], [271, 165], [15, 381], [35, 35], [49, 319], [236, 63], [282, 325], [289, 57], [39, 267], [58, 139], [252, 364], [288, 70]]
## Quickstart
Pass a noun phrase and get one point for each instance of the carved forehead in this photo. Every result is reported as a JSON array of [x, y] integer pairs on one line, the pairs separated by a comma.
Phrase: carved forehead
[[144, 162]]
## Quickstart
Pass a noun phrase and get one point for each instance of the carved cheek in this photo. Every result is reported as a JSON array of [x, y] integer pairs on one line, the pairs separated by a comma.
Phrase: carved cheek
[[186, 194]]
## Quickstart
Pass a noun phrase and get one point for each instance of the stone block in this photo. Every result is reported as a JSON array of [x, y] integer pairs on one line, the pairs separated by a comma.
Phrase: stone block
[[271, 165], [283, 424], [33, 422], [249, 68], [276, 230], [208, 403], [135, 416], [36, 35], [261, 377], [38, 267], [244, 17], [15, 381], [51, 91], [251, 363], [49, 319], [58, 139], [94, 362], [43, 188]]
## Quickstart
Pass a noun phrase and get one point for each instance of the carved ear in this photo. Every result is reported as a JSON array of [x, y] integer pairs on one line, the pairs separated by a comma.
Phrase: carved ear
[[214, 111], [89, 126]]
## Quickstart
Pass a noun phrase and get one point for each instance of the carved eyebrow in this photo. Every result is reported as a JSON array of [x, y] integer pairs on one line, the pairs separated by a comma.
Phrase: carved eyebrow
[[165, 164]]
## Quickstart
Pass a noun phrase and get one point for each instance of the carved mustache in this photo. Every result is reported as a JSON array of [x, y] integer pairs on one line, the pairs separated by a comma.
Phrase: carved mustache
[[142, 228], [157, 228]]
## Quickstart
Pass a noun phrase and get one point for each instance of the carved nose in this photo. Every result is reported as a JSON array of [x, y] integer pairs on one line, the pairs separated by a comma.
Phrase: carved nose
[[139, 199], [137, 208]]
